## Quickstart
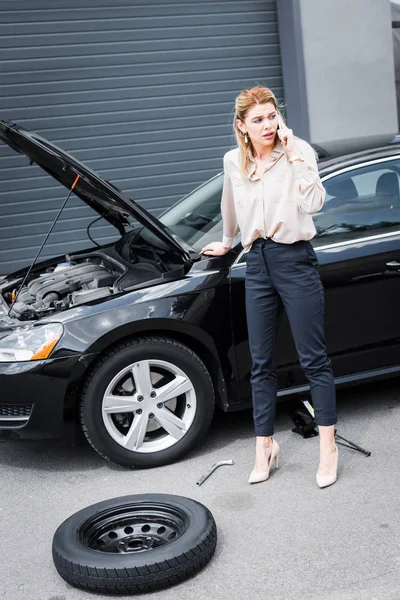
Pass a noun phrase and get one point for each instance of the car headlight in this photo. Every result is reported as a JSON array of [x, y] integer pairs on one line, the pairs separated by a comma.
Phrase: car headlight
[[30, 342]]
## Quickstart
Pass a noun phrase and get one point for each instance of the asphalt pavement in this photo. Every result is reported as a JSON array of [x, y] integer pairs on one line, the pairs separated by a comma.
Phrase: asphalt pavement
[[284, 539]]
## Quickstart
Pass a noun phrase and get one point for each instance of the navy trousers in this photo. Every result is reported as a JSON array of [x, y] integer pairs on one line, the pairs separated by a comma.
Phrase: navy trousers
[[284, 277]]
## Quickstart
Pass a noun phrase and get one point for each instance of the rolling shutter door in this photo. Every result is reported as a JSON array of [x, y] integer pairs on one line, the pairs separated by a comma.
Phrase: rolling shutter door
[[141, 92]]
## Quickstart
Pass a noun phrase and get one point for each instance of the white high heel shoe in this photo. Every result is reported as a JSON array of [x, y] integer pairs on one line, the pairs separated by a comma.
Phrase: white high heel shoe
[[258, 476], [326, 480]]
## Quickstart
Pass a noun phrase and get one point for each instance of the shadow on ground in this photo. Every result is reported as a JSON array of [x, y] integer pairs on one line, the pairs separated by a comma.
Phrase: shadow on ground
[[73, 453]]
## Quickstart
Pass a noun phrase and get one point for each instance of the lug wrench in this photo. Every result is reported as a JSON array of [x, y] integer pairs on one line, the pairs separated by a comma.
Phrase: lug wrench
[[215, 466]]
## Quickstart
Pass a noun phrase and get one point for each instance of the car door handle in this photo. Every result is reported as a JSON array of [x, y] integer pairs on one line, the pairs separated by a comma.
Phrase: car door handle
[[393, 265]]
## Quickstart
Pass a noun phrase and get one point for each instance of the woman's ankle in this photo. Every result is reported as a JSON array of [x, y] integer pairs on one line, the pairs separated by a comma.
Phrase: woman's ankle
[[326, 448], [264, 441]]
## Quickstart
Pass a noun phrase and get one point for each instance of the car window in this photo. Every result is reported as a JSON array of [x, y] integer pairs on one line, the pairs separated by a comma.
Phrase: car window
[[197, 218], [359, 203]]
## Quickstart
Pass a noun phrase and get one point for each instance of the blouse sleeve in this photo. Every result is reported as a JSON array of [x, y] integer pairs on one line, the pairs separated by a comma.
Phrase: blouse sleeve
[[311, 193], [230, 224]]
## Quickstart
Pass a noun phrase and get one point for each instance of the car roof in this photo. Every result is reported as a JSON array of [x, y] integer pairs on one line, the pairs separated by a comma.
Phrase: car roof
[[327, 164]]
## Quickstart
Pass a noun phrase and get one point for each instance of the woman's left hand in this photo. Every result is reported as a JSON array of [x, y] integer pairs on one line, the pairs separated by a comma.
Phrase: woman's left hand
[[286, 136]]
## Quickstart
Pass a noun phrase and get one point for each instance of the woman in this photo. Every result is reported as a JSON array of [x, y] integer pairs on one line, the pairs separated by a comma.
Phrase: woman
[[271, 189]]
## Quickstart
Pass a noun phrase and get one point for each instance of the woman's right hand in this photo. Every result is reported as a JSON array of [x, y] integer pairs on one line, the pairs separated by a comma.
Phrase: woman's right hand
[[214, 249]]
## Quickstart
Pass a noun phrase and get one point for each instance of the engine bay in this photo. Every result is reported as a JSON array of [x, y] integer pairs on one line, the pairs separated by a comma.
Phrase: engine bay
[[88, 276]]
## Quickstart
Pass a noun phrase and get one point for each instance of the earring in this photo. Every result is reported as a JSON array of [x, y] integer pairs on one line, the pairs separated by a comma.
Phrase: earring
[[246, 139]]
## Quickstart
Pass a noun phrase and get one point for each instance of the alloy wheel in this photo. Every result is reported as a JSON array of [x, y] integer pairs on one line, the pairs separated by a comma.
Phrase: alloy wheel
[[149, 406]]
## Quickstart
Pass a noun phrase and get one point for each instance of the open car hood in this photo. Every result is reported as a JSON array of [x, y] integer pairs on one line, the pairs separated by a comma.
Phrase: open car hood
[[99, 194]]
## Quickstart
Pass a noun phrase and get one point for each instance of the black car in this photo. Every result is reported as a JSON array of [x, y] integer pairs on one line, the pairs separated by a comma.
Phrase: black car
[[140, 338]]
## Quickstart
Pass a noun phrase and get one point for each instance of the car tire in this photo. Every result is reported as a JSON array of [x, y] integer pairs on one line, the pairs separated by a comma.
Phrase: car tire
[[134, 544], [168, 430]]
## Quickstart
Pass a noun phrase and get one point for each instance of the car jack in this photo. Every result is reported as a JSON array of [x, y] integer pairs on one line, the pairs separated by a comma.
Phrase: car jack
[[304, 419]]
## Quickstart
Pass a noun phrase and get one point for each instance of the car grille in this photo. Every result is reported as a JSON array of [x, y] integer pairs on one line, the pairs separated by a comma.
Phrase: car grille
[[14, 415]]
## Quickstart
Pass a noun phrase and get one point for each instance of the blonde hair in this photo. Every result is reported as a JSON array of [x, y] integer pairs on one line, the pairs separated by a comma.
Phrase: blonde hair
[[243, 103]]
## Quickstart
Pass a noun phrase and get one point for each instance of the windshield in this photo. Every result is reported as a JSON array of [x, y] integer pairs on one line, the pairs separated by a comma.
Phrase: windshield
[[197, 218]]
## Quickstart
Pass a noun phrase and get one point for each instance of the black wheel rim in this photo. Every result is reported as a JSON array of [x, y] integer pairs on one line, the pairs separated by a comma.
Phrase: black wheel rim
[[133, 528]]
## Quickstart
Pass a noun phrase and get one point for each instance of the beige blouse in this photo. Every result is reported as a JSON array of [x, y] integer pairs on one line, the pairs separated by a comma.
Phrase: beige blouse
[[278, 205]]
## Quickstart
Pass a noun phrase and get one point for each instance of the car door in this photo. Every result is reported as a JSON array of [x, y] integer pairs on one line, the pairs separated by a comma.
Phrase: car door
[[358, 246]]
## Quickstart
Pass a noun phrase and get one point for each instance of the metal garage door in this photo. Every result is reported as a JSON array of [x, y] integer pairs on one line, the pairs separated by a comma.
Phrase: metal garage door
[[140, 91]]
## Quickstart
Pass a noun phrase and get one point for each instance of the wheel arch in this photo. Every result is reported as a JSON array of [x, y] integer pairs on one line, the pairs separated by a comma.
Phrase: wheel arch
[[197, 340]]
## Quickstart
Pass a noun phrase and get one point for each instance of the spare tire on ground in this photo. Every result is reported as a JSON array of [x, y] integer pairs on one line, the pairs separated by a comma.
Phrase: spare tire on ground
[[134, 544]]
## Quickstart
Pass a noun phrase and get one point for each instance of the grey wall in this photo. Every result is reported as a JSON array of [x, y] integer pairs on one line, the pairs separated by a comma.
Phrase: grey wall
[[338, 71], [395, 10]]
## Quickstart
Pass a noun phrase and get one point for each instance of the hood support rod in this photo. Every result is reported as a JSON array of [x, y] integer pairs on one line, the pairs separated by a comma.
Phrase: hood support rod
[[44, 243]]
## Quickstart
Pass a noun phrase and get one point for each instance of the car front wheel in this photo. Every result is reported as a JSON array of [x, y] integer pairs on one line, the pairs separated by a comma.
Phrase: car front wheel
[[147, 402]]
